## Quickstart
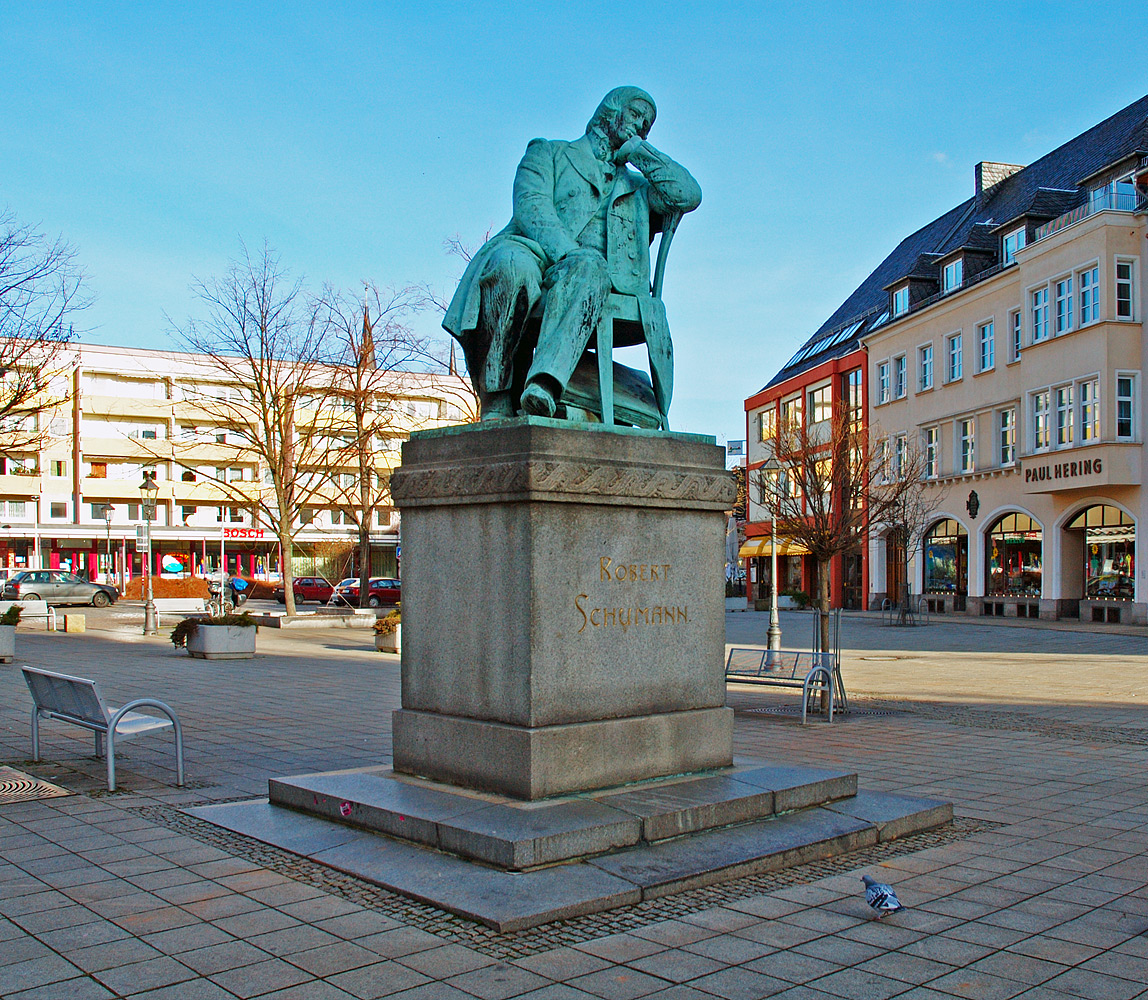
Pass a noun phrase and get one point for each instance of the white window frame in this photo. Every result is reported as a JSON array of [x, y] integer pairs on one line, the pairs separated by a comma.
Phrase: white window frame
[[1041, 419], [1016, 328], [1062, 315], [925, 367], [953, 275], [1006, 436], [1089, 293], [1064, 402], [954, 357], [1088, 402], [1130, 281], [1038, 310], [986, 364], [1019, 237], [900, 376], [900, 300], [966, 442], [1132, 399], [884, 382], [810, 409], [900, 453], [932, 452]]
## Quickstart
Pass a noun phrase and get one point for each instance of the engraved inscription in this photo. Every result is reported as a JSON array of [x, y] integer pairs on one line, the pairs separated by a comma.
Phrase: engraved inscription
[[632, 572], [625, 618]]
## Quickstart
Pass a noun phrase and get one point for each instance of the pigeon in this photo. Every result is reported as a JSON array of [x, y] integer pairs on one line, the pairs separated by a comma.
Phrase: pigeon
[[881, 897]]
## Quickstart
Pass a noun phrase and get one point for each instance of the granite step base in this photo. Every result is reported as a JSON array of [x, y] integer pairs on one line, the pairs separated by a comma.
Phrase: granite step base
[[508, 900], [519, 835]]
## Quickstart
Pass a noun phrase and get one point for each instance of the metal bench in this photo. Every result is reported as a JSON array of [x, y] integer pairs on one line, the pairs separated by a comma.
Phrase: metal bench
[[178, 605], [78, 701], [33, 609], [788, 668]]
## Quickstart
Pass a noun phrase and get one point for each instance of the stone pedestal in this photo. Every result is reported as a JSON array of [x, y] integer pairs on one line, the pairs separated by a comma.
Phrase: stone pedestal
[[563, 604]]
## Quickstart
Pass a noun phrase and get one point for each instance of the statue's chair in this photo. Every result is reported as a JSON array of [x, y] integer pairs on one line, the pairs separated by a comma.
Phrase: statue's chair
[[614, 392]]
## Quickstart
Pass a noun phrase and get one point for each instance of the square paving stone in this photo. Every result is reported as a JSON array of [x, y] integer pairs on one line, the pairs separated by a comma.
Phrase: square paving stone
[[379, 980], [499, 982], [260, 977]]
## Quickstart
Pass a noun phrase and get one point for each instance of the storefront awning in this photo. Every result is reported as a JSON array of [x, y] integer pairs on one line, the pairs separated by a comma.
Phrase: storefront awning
[[764, 547]]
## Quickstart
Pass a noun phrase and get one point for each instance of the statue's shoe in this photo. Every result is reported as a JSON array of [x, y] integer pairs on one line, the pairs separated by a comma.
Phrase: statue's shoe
[[537, 401]]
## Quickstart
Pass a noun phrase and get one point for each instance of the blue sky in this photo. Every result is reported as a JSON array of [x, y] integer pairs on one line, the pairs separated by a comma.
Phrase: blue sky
[[356, 138]]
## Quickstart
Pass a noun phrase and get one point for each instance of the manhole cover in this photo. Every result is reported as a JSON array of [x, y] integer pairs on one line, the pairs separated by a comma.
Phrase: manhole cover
[[16, 786]]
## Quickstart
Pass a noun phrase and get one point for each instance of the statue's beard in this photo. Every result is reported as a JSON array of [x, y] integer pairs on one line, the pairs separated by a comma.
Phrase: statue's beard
[[603, 144]]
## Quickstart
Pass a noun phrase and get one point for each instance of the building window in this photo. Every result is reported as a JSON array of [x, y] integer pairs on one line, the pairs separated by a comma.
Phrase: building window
[[968, 445], [767, 424], [1125, 407], [1013, 242], [58, 510], [188, 512], [791, 415], [133, 511], [900, 452], [306, 516], [97, 511], [16, 509], [883, 382], [235, 515], [1063, 306], [900, 376], [1089, 296], [1040, 428], [1014, 556], [1124, 289], [901, 301], [58, 467], [1007, 424], [1039, 315], [932, 446], [853, 398], [925, 366], [953, 275], [946, 558], [1064, 412], [956, 361], [1089, 411], [1014, 344], [986, 346], [820, 404], [98, 470]]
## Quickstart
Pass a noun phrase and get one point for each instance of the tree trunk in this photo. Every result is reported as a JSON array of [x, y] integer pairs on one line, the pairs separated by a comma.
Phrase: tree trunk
[[364, 563], [287, 547]]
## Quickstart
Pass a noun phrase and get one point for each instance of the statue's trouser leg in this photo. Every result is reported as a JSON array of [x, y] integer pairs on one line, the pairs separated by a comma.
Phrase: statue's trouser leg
[[511, 284], [578, 286]]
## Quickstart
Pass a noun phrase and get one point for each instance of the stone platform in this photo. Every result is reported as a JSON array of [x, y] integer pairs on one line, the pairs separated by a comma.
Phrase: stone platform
[[511, 864]]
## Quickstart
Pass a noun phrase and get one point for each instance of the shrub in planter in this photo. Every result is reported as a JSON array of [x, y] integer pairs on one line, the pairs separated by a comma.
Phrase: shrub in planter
[[224, 637], [389, 632]]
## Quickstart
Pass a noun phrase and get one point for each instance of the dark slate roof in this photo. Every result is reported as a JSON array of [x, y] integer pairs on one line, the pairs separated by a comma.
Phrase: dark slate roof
[[1045, 189]]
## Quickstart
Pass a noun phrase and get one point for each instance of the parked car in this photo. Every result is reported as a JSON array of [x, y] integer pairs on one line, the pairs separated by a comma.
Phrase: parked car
[[58, 587], [383, 590], [307, 588]]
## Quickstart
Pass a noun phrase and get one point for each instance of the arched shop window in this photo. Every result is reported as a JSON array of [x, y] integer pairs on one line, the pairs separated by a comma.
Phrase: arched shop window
[[946, 558], [1109, 552], [1014, 546]]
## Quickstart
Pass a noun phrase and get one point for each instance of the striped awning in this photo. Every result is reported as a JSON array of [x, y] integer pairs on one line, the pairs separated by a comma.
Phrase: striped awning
[[764, 547]]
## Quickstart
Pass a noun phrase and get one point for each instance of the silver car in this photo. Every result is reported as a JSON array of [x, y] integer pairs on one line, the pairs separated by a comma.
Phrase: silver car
[[57, 587]]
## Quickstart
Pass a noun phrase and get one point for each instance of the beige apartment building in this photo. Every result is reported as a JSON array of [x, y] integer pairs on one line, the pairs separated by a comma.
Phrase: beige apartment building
[[125, 411], [1012, 358]]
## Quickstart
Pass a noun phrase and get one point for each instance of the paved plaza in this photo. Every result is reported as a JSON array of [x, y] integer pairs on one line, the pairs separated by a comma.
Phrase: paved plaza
[[1037, 733]]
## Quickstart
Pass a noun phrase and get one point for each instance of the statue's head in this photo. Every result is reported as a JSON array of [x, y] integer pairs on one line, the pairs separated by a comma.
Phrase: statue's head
[[608, 117]]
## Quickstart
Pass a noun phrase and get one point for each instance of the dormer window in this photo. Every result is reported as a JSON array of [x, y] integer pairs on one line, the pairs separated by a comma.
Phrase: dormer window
[[901, 301], [953, 275], [1013, 242]]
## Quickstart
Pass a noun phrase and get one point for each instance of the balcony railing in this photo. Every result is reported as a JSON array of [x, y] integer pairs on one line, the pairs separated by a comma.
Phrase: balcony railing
[[1111, 201]]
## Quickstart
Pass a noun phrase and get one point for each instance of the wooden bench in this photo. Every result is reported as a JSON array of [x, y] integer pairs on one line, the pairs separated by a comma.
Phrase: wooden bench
[[178, 605], [78, 701], [33, 609], [788, 668]]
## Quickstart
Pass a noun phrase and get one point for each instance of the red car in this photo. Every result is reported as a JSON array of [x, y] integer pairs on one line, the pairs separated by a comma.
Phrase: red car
[[307, 588], [384, 590]]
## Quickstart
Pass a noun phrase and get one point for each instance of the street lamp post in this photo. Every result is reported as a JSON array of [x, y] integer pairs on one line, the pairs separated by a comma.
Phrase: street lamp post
[[773, 633], [108, 512], [150, 491]]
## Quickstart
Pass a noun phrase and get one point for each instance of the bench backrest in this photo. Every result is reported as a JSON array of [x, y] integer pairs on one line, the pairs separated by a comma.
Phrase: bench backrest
[[786, 664], [179, 604], [28, 609], [66, 695]]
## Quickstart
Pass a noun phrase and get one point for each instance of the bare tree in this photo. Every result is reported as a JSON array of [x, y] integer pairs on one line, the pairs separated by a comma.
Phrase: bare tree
[[41, 288], [827, 485], [268, 352], [377, 357]]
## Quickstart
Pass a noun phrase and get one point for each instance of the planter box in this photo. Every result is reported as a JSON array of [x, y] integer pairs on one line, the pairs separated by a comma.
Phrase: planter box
[[7, 643], [392, 643], [222, 642]]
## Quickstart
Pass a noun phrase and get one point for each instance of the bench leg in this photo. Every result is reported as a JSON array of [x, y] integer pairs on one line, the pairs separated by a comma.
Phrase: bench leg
[[99, 744], [35, 734], [111, 760]]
